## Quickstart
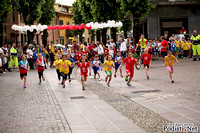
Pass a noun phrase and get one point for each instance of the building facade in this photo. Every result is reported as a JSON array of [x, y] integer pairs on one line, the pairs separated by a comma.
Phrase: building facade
[[169, 16]]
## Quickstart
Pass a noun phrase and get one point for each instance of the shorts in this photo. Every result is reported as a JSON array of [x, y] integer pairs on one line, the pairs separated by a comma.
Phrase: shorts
[[177, 48], [150, 52], [170, 68], [23, 75], [84, 74], [95, 69], [109, 72], [146, 65], [164, 53], [117, 65], [173, 51], [64, 75], [51, 57], [131, 71]]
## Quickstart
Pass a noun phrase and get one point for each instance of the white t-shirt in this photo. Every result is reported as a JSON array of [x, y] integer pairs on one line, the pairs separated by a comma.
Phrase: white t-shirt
[[30, 53], [1, 63], [112, 44], [100, 49], [111, 52], [180, 37]]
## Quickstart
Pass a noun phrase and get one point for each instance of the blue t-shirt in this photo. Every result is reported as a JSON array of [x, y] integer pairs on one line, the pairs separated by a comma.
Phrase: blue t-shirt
[[98, 63], [72, 61], [173, 46], [23, 63], [35, 55], [117, 58]]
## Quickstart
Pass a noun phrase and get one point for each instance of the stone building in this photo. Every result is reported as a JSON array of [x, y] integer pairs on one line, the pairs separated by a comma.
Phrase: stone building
[[169, 16]]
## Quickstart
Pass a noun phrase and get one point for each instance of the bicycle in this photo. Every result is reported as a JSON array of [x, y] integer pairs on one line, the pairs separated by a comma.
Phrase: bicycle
[[137, 57]]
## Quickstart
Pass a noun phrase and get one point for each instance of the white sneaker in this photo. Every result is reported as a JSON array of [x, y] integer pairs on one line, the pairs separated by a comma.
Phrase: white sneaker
[[99, 79], [4, 72]]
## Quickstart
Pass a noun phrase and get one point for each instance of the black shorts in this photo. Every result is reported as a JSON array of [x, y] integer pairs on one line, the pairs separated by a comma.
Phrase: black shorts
[[150, 52], [163, 54], [146, 65], [64, 75], [51, 57], [22, 75]]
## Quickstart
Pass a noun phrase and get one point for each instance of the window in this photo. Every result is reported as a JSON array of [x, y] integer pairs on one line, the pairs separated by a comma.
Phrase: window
[[62, 40], [67, 23], [64, 9], [61, 22]]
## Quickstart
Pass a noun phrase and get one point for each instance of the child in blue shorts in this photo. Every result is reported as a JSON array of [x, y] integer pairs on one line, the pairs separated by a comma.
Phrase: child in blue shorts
[[173, 47], [118, 60], [95, 66]]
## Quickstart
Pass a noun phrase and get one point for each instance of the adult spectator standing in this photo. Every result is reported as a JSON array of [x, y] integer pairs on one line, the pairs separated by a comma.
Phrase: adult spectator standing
[[172, 38], [167, 40], [183, 30], [164, 46], [108, 44], [112, 43], [34, 44], [13, 57], [30, 56], [181, 36], [19, 52], [100, 52], [51, 53], [25, 48], [195, 38], [123, 48]]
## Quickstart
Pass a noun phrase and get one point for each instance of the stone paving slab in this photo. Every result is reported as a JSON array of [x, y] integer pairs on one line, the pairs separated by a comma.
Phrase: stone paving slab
[[33, 109], [90, 114]]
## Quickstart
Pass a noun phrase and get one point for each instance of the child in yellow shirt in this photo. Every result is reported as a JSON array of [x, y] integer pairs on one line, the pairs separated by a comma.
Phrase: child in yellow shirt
[[64, 68], [109, 64], [56, 64], [169, 62], [184, 47], [177, 42]]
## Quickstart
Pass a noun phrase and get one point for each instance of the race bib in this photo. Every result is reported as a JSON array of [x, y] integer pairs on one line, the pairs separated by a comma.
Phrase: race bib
[[170, 62], [64, 66]]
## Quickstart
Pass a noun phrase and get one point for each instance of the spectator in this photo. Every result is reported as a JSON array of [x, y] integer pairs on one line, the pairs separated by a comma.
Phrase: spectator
[[100, 51], [25, 48], [51, 54], [30, 56], [164, 46], [123, 48], [183, 30], [19, 52], [112, 43]]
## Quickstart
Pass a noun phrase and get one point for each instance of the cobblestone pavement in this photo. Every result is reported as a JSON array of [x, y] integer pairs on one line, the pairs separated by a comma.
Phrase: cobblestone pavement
[[33, 109]]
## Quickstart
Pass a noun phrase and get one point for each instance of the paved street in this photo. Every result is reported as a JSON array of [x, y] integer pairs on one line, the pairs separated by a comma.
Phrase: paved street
[[144, 107]]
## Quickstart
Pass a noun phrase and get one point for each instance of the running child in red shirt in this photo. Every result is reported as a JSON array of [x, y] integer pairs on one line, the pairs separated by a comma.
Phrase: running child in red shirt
[[106, 51], [146, 58], [84, 70], [130, 62], [40, 64], [23, 67]]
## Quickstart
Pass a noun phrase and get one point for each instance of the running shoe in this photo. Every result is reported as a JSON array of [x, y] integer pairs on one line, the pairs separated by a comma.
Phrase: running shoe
[[63, 86], [70, 80], [147, 77], [115, 75], [108, 84], [129, 84], [126, 79], [83, 88], [121, 76], [106, 79], [172, 81], [99, 79], [40, 82], [24, 86], [43, 78]]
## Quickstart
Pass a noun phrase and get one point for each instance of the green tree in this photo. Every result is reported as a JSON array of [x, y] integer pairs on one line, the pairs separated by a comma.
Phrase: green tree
[[78, 19], [31, 12], [138, 9], [48, 13], [127, 26], [5, 7]]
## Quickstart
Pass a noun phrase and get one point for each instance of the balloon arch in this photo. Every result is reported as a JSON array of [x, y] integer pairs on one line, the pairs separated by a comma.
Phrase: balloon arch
[[91, 25]]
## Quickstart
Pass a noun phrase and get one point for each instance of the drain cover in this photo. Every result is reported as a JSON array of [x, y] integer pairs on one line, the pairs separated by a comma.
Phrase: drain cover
[[78, 97], [115, 100], [145, 91]]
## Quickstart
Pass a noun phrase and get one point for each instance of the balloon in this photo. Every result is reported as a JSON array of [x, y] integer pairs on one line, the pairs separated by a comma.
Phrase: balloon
[[70, 27], [82, 25], [67, 27], [77, 27], [48, 28], [80, 28], [74, 26], [89, 28]]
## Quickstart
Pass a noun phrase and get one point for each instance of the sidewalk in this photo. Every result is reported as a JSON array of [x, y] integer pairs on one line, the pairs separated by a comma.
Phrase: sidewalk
[[170, 101], [85, 112]]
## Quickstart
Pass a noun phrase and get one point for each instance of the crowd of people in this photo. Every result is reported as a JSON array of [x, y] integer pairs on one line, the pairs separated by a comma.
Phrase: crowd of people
[[89, 56]]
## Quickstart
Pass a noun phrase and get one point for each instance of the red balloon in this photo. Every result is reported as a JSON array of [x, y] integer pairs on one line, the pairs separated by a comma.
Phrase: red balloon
[[89, 28], [71, 27], [63, 27], [80, 28], [74, 26], [54, 27], [67, 27], [59, 27], [48, 28], [77, 27], [51, 27], [82, 25]]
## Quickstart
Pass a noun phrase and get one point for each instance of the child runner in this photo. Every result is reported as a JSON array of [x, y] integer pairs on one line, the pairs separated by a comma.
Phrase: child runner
[[169, 62], [118, 59], [95, 66], [40, 63], [111, 51], [70, 67], [106, 51], [84, 70], [108, 69], [56, 64], [146, 57], [23, 67], [130, 61], [64, 69]]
